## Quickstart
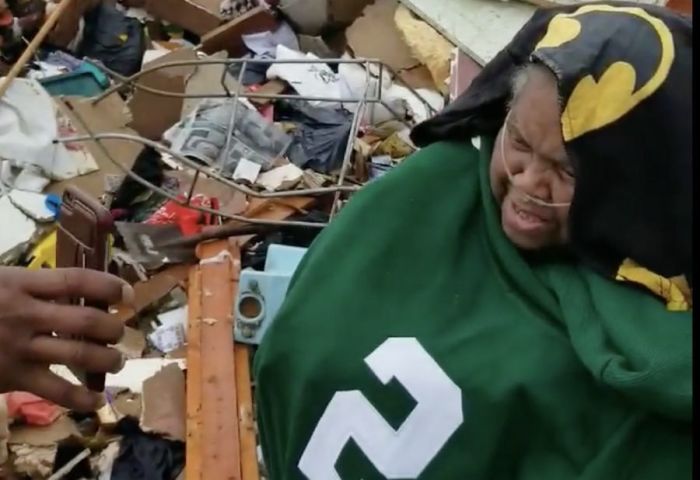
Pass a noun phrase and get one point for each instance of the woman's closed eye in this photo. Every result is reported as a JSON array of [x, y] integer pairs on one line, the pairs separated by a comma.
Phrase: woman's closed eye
[[519, 142], [566, 172]]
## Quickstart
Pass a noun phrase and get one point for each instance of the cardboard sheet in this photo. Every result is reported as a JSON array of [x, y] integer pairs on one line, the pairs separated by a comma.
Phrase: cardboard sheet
[[206, 80], [229, 35], [151, 291], [377, 22], [108, 116], [131, 377], [63, 428], [163, 403], [188, 14], [144, 105]]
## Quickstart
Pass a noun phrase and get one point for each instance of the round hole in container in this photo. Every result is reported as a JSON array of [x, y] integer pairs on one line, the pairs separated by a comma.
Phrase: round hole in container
[[250, 307]]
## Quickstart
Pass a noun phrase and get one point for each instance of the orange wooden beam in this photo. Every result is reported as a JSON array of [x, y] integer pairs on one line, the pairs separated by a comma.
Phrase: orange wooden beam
[[248, 438], [213, 438], [221, 439]]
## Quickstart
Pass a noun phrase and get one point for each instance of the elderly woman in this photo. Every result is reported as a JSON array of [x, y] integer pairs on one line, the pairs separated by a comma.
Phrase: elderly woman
[[512, 302]]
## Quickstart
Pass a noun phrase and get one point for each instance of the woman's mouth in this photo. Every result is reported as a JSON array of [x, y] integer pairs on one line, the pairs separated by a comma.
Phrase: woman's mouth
[[519, 219]]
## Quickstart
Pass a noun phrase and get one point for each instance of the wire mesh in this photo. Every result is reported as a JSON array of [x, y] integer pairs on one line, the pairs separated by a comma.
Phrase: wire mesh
[[372, 68]]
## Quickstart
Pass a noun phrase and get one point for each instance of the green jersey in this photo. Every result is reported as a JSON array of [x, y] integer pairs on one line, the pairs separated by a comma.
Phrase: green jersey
[[416, 342]]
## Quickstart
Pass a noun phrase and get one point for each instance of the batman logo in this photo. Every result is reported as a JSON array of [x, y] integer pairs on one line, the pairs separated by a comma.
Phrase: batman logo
[[607, 60]]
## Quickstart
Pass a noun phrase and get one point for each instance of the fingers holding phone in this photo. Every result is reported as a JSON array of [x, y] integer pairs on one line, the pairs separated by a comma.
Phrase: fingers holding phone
[[29, 320]]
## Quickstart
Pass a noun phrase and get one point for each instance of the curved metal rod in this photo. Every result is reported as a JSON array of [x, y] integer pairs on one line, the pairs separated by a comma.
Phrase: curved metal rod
[[185, 203], [131, 81], [359, 112], [228, 61], [192, 164], [238, 218], [272, 96]]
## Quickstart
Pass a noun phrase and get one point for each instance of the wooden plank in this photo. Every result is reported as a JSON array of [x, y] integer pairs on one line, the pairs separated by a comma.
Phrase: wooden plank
[[212, 417], [193, 465], [229, 35], [185, 14], [249, 455], [220, 428]]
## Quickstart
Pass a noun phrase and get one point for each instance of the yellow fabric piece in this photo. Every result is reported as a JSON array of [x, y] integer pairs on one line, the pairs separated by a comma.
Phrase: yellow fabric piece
[[593, 105], [675, 290]]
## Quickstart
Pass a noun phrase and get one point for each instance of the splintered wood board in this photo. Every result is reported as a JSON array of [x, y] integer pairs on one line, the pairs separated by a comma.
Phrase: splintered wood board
[[213, 436], [221, 435], [246, 416]]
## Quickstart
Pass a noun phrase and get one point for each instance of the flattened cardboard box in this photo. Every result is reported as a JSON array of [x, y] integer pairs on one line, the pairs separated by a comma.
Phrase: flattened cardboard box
[[197, 16], [229, 36], [311, 16], [110, 115], [143, 104], [191, 15]]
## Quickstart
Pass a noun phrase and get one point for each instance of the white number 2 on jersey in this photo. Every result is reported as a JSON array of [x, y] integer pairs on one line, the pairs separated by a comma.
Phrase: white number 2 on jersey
[[396, 454]]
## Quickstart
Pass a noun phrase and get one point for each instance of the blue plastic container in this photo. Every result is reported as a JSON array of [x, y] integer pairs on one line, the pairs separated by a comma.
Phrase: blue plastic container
[[85, 81]]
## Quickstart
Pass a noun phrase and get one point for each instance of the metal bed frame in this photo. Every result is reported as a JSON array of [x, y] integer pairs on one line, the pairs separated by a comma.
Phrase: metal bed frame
[[122, 83]]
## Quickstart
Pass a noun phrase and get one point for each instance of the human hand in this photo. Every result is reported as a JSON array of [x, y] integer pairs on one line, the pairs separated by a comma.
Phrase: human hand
[[28, 317]]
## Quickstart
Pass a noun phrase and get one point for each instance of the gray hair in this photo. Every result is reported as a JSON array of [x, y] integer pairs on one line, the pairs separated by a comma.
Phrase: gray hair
[[522, 76]]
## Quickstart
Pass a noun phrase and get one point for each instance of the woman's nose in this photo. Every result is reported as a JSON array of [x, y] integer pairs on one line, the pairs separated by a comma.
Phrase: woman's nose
[[533, 179]]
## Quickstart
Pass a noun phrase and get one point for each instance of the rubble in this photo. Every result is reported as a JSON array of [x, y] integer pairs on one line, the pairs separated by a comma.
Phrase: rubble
[[229, 124], [211, 130]]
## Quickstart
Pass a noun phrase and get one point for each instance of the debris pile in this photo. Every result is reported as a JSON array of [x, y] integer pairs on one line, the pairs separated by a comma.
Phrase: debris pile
[[218, 138]]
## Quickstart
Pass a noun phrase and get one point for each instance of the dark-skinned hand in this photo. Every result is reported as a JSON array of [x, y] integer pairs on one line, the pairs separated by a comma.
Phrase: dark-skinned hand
[[29, 316]]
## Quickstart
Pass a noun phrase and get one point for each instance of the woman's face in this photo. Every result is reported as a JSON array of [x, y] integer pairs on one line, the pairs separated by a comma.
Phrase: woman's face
[[534, 155]]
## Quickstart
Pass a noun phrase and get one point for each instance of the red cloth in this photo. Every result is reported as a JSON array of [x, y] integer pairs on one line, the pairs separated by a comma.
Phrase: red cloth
[[6, 18], [190, 221], [34, 410]]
